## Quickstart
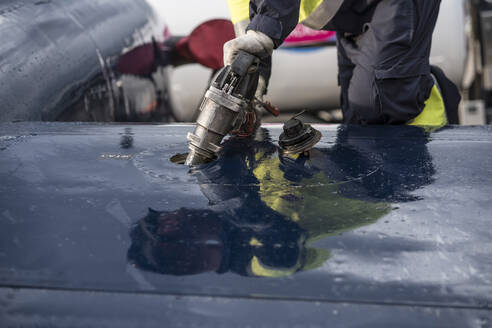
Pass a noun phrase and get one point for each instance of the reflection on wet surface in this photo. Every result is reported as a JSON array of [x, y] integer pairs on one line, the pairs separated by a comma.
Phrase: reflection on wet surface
[[266, 210], [127, 139], [373, 214]]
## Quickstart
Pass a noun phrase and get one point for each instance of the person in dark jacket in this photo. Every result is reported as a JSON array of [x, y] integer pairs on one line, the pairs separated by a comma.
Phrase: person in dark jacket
[[383, 52]]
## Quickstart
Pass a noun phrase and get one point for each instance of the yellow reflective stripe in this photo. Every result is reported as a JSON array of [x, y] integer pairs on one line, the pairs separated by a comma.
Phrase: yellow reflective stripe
[[434, 113], [255, 242], [315, 257], [307, 7], [260, 270], [239, 10]]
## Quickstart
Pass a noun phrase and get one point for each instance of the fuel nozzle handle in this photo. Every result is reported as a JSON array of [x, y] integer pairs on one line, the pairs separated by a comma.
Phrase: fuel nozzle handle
[[222, 107], [243, 62], [241, 77]]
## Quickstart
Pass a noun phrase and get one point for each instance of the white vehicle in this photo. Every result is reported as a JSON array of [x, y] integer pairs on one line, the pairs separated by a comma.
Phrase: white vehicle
[[312, 85]]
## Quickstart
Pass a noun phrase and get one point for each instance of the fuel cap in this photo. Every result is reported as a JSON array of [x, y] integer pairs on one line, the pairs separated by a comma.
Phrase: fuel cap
[[298, 137]]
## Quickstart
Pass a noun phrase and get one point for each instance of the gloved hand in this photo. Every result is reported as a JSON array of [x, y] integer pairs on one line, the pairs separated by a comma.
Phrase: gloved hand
[[253, 42], [260, 89], [261, 45]]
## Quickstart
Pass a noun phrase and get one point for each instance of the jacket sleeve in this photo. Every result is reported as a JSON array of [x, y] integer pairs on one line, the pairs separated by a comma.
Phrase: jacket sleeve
[[275, 18]]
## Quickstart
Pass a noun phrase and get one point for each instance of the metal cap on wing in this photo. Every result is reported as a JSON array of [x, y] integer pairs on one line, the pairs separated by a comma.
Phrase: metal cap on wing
[[298, 137]]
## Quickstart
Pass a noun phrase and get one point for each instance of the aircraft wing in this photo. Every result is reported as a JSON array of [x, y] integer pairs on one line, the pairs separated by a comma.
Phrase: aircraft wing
[[379, 226]]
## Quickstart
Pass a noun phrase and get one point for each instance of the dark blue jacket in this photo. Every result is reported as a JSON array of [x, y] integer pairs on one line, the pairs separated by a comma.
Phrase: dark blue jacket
[[275, 18]]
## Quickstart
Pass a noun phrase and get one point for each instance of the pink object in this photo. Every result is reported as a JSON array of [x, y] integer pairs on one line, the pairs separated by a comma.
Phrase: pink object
[[303, 35]]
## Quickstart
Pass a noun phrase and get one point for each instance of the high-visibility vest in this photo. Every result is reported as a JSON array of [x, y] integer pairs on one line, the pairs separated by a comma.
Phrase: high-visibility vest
[[434, 112], [312, 13]]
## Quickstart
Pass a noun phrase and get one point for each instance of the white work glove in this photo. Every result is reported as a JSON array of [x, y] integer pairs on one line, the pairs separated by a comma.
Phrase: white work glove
[[253, 42], [260, 89]]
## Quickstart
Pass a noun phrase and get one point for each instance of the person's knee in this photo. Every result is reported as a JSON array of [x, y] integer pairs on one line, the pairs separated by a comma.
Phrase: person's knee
[[394, 100], [402, 99]]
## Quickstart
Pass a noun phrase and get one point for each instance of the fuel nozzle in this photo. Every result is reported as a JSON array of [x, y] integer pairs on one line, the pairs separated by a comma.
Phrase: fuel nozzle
[[223, 108], [298, 137]]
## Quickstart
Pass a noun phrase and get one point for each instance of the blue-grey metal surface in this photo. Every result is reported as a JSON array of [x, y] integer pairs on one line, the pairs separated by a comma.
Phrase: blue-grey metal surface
[[59, 61], [62, 309], [385, 218]]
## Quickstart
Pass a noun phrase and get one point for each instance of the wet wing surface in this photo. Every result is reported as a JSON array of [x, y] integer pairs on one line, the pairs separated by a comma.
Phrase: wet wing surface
[[373, 218]]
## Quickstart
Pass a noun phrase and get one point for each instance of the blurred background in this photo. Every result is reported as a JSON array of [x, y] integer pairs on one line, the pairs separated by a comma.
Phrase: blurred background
[[151, 61]]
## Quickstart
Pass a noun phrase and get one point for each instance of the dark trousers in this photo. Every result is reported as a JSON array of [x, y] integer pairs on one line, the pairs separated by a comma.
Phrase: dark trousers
[[383, 58]]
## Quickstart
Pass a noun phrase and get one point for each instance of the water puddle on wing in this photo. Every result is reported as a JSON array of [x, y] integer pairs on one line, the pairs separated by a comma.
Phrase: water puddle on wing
[[158, 165]]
